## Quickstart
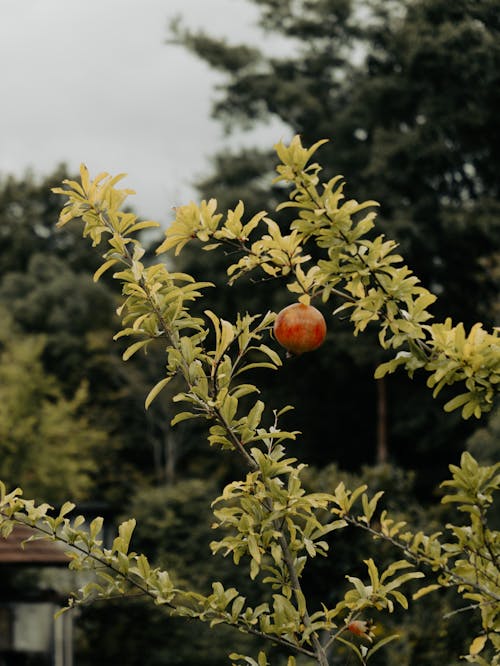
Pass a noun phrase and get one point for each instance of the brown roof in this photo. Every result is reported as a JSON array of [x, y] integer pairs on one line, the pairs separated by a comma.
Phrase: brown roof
[[38, 552]]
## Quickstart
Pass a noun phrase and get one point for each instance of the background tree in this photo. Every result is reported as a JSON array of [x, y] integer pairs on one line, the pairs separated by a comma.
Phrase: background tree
[[46, 285], [47, 444]]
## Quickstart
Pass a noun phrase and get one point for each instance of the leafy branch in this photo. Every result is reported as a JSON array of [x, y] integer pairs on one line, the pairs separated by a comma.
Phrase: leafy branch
[[268, 518], [366, 273]]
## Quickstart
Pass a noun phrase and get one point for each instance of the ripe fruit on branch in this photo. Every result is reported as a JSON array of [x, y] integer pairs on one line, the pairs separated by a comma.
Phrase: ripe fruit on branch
[[300, 328]]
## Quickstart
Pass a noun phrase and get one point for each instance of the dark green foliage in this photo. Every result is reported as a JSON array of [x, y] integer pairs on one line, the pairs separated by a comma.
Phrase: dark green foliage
[[49, 297], [28, 211], [46, 286], [48, 444]]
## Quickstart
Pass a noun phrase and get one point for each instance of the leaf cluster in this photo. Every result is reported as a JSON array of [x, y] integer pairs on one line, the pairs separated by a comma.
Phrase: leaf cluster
[[365, 272]]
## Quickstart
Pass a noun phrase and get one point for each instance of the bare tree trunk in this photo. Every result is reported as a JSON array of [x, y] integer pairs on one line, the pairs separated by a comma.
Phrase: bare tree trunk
[[170, 458], [157, 455], [382, 452]]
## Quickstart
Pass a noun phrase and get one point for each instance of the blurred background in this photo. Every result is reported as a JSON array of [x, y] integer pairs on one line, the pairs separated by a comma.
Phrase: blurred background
[[188, 98]]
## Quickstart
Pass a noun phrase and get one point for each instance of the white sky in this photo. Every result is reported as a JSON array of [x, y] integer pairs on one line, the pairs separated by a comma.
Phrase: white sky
[[93, 81]]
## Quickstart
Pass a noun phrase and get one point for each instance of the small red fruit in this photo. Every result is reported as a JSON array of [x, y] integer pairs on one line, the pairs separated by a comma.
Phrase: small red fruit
[[300, 328], [363, 628]]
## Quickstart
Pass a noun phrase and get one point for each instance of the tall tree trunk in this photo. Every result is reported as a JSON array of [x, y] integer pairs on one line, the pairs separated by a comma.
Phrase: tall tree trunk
[[382, 452], [170, 457]]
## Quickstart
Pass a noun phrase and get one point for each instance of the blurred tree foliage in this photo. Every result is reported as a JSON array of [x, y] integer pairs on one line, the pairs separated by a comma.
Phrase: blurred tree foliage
[[66, 322], [47, 445]]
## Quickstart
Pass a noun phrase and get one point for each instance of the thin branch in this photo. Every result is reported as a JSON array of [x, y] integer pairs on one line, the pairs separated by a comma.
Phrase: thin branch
[[464, 609], [145, 592], [418, 558]]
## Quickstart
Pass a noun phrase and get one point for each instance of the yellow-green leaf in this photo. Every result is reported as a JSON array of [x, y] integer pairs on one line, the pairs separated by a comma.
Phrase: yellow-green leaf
[[425, 590], [155, 390], [130, 351], [477, 645], [102, 269]]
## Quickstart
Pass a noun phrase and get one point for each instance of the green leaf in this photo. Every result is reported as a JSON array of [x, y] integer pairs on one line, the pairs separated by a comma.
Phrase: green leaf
[[96, 526], [457, 402], [145, 224], [477, 645], [155, 391], [373, 573], [182, 416], [262, 659], [370, 506], [253, 548], [122, 541], [425, 590], [130, 351], [102, 269], [66, 508]]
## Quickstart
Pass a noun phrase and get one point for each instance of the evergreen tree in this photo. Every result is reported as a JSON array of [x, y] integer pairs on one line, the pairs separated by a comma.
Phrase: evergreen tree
[[46, 285], [47, 443]]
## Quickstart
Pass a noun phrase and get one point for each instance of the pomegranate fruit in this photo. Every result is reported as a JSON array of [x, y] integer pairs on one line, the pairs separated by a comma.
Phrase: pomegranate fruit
[[300, 328]]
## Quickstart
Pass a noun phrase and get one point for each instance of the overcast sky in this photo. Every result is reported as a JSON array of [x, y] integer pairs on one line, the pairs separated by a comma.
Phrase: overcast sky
[[93, 81]]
